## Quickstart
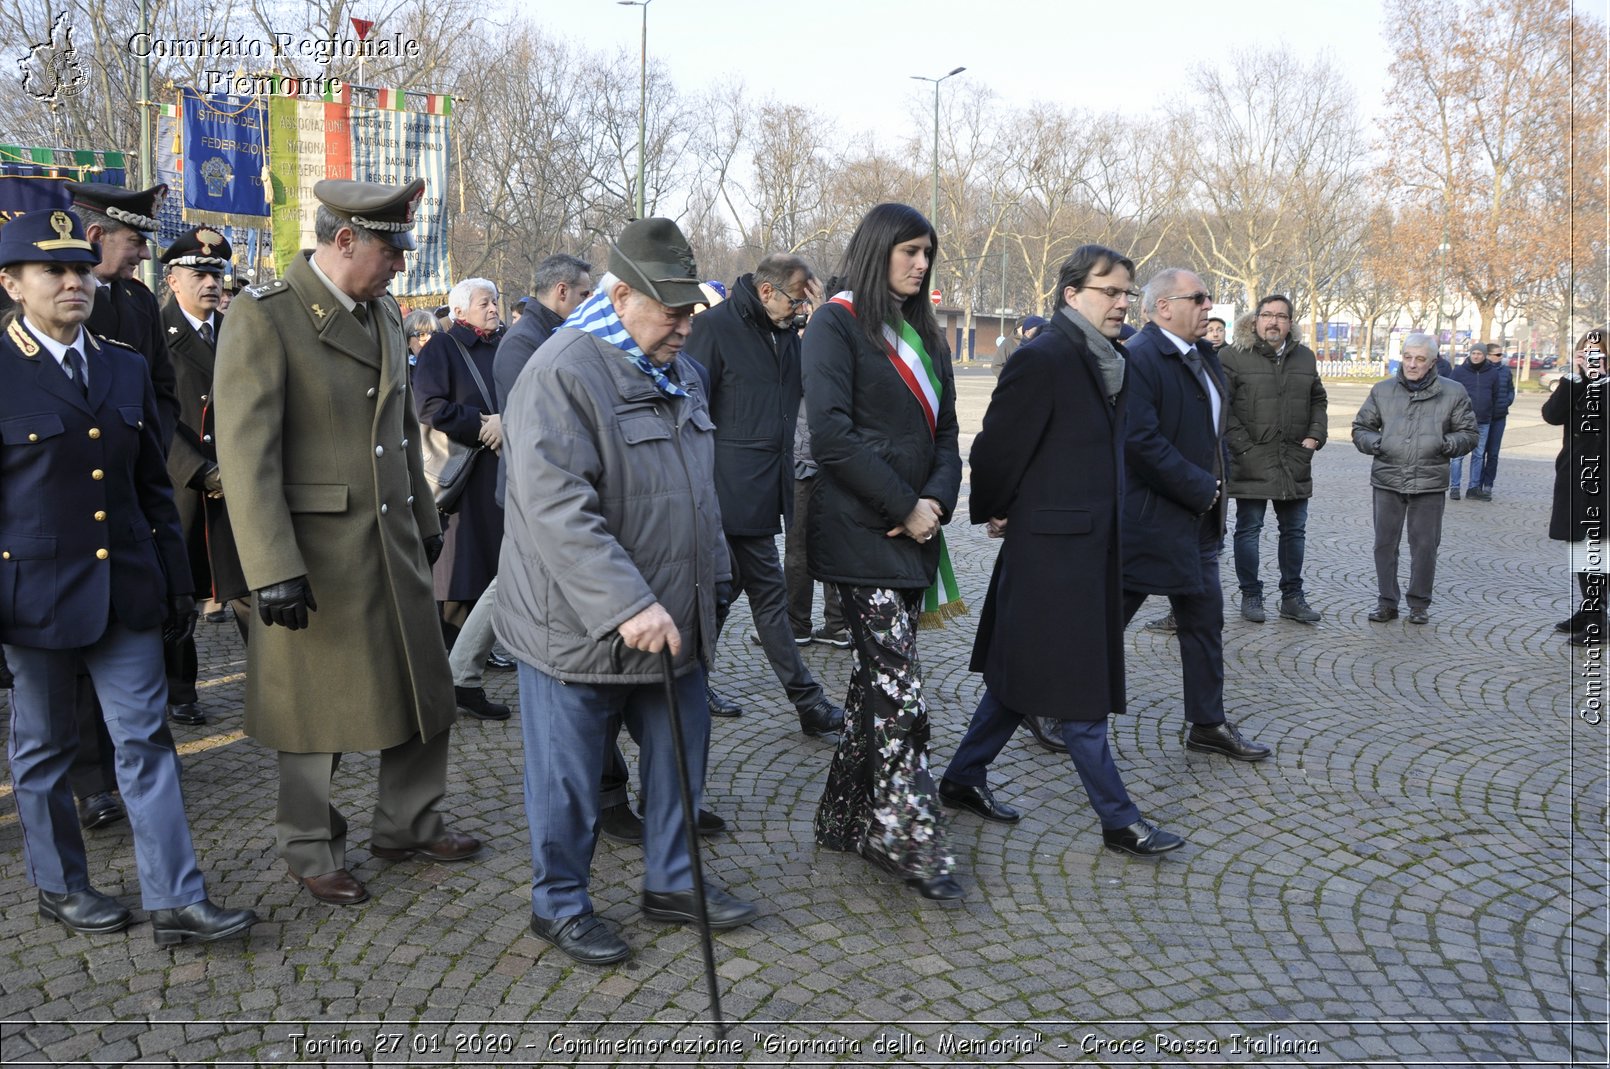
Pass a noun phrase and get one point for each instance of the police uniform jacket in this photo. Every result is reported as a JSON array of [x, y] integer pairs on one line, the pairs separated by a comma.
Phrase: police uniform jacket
[[214, 564], [318, 448], [126, 311], [88, 531]]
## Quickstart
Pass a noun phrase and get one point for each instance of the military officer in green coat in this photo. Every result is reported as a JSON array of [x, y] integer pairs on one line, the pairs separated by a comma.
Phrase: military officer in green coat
[[318, 448]]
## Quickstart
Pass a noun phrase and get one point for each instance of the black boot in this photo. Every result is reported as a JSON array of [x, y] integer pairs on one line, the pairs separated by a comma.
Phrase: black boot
[[1589, 630], [1579, 619]]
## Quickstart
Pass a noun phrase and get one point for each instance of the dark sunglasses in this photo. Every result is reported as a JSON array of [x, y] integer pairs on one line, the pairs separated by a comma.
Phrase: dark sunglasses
[[1198, 298]]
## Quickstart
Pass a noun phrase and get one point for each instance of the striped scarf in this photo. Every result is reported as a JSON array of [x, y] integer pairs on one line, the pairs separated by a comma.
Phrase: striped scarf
[[909, 356], [596, 316]]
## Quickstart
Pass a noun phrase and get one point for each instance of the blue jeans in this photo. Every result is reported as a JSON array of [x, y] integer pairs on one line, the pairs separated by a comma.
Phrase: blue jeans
[[567, 727], [1292, 519], [1495, 438], [1478, 459]]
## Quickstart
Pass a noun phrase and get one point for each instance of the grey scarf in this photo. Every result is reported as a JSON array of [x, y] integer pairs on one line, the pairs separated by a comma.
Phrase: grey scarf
[[1108, 359]]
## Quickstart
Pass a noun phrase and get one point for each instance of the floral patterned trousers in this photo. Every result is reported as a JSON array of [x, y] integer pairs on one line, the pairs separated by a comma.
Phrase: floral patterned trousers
[[880, 799]]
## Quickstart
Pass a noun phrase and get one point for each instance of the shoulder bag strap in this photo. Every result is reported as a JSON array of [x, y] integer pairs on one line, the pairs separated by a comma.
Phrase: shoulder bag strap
[[480, 384]]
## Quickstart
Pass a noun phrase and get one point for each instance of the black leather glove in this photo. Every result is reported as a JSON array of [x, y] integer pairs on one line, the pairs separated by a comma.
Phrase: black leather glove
[[433, 548], [181, 622], [212, 484], [287, 603]]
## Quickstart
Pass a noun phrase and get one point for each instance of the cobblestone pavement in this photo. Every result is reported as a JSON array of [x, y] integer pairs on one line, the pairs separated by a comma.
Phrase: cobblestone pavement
[[1417, 877]]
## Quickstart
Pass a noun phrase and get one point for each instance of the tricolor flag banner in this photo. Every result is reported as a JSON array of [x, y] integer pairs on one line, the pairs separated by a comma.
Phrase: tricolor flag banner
[[337, 92], [438, 104], [389, 98], [310, 140]]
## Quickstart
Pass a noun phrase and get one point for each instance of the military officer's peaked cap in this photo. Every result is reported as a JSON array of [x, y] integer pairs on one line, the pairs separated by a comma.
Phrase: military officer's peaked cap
[[201, 249], [135, 208], [653, 257], [49, 235], [386, 211]]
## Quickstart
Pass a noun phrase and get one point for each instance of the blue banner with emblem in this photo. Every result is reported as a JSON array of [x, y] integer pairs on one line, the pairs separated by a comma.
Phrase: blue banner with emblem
[[224, 159], [34, 178]]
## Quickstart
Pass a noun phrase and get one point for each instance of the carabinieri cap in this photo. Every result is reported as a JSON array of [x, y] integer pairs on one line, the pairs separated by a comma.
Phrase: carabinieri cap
[[135, 208], [387, 211], [201, 249]]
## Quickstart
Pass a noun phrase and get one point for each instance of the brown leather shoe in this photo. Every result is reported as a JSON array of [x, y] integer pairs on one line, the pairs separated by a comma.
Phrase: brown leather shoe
[[452, 846], [339, 888]]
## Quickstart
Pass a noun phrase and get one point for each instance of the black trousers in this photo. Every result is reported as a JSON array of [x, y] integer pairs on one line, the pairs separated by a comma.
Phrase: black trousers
[[1200, 618]]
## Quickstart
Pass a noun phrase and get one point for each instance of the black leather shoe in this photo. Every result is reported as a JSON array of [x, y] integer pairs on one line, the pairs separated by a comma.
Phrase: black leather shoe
[[681, 907], [721, 706], [936, 888], [1383, 614], [585, 937], [1047, 731], [99, 810], [710, 824], [1419, 616], [472, 701], [217, 616], [1142, 838], [88, 912], [199, 922], [978, 800], [823, 718], [1590, 633], [619, 824], [186, 713], [1224, 738], [499, 663]]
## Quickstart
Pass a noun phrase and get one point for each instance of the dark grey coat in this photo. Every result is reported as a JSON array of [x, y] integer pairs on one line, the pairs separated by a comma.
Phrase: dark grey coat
[[1413, 434], [1275, 402], [610, 507]]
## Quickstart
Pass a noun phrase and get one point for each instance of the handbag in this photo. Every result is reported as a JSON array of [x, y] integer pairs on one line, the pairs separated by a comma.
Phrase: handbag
[[448, 463]]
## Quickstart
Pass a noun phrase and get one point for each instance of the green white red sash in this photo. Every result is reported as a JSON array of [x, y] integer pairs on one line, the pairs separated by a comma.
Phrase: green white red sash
[[909, 357]]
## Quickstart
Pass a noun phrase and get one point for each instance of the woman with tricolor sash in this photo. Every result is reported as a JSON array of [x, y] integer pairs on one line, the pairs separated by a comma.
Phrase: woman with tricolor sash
[[880, 400]]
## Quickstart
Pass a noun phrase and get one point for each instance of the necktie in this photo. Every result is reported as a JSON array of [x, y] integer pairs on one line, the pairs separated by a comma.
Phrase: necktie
[[206, 333], [77, 372], [366, 319]]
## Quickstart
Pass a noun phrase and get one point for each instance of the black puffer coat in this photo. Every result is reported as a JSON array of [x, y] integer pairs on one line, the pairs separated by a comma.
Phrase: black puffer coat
[[1275, 402], [1579, 474]]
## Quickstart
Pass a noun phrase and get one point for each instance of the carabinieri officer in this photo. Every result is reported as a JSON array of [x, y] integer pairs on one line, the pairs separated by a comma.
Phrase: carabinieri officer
[[92, 567]]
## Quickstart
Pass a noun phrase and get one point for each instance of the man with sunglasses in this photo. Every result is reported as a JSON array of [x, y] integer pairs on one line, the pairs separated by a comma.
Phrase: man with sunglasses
[[749, 344], [1174, 515]]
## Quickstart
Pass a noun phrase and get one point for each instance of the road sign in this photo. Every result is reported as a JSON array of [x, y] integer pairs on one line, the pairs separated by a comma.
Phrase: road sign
[[934, 296]]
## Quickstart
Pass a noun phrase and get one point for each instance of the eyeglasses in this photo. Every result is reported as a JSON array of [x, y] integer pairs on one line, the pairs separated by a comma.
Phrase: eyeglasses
[[1112, 293], [794, 303], [1282, 316], [421, 333], [1198, 298]]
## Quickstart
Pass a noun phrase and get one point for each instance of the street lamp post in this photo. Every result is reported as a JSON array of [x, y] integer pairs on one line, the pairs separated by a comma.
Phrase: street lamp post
[[642, 103], [933, 210]]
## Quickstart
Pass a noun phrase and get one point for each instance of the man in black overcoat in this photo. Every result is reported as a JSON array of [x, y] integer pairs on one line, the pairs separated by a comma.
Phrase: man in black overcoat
[[1048, 479], [1174, 511], [191, 320]]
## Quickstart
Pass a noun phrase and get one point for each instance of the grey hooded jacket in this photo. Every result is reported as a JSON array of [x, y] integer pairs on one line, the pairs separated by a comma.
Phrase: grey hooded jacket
[[611, 506]]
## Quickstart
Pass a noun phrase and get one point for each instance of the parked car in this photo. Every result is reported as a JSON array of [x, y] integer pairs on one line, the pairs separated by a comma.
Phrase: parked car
[[1536, 363], [1551, 380]]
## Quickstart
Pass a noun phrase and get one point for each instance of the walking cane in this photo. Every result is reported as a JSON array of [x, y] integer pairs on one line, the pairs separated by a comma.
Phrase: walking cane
[[690, 824]]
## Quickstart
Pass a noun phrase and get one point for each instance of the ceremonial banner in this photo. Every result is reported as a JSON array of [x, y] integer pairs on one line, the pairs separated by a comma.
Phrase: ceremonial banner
[[34, 178], [310, 140], [246, 240], [223, 159]]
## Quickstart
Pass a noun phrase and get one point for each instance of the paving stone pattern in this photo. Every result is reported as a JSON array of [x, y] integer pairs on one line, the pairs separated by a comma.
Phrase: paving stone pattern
[[1416, 877]]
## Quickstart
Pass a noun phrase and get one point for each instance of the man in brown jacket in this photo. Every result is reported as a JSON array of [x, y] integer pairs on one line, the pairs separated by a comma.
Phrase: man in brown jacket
[[318, 448]]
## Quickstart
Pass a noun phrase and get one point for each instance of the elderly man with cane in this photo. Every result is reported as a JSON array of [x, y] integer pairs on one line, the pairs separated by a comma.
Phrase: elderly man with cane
[[612, 526]]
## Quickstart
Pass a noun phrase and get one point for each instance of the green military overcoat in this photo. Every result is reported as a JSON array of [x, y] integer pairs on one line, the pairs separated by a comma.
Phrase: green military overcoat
[[318, 449]]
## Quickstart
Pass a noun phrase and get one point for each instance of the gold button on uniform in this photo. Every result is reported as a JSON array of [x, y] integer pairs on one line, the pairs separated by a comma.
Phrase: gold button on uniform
[[6, 555], [94, 432], [33, 437], [101, 554], [100, 517], [97, 474]]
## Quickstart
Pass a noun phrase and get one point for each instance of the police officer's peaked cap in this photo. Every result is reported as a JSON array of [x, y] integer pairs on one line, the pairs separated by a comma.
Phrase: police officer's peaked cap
[[386, 211], [135, 208], [201, 249], [653, 257], [49, 235]]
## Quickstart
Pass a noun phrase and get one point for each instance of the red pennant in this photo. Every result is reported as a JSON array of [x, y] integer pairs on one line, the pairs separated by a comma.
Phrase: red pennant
[[362, 27]]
